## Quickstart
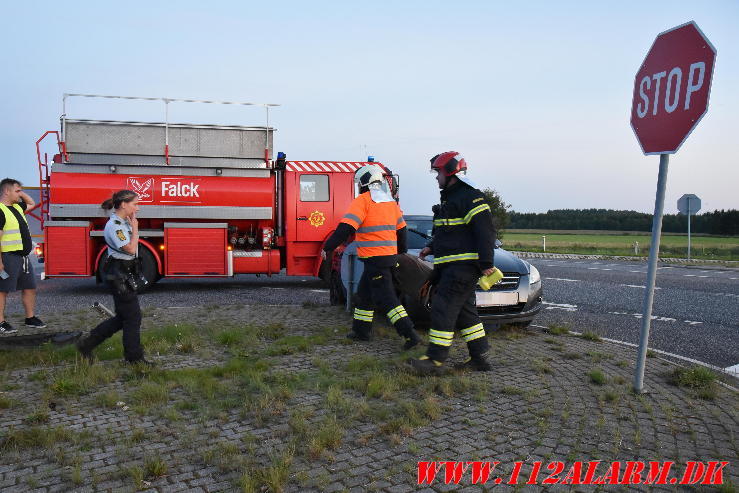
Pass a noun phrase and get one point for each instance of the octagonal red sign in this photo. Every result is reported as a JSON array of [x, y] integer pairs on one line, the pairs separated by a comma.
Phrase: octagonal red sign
[[671, 89]]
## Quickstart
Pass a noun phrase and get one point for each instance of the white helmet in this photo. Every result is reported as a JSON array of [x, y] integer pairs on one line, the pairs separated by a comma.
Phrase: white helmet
[[368, 174]]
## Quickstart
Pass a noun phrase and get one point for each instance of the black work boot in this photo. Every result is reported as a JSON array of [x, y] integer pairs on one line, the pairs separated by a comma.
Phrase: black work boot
[[426, 366], [475, 363], [85, 345], [354, 336], [411, 340]]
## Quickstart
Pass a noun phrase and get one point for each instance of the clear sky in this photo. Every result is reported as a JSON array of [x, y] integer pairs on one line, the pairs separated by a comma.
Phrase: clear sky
[[536, 95]]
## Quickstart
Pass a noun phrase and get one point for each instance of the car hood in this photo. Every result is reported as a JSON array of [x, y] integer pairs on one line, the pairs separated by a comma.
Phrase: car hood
[[507, 262]]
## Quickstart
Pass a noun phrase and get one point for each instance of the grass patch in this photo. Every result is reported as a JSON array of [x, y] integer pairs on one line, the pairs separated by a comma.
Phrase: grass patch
[[6, 402], [541, 367], [597, 377], [558, 330], [590, 336], [698, 379], [510, 390], [81, 379], [293, 344], [40, 436], [571, 355]]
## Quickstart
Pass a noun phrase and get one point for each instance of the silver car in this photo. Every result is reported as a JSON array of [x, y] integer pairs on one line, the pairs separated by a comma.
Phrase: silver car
[[515, 300]]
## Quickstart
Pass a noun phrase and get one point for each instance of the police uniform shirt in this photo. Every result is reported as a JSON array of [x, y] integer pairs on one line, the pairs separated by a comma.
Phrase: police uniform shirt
[[118, 232]]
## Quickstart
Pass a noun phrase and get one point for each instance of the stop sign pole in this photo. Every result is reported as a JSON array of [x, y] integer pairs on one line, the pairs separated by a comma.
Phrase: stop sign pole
[[671, 92]]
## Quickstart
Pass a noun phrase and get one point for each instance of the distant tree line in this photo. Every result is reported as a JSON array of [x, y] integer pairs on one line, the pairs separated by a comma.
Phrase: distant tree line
[[719, 222]]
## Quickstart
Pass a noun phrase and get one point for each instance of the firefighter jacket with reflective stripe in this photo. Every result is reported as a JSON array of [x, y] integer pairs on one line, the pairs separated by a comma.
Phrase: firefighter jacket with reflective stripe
[[12, 240], [463, 228], [376, 223]]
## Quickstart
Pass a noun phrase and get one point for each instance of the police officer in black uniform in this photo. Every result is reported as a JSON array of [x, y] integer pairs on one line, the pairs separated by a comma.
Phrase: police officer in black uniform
[[122, 276], [462, 245]]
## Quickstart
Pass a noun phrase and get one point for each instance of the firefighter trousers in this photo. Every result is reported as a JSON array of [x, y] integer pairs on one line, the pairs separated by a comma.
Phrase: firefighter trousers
[[376, 290], [453, 308], [127, 318]]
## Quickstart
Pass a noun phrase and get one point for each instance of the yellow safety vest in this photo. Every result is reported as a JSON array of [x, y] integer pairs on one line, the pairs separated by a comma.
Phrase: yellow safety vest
[[12, 240]]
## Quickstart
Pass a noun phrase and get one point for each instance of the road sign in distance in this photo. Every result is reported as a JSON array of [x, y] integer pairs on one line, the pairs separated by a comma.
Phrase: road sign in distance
[[688, 204], [671, 89]]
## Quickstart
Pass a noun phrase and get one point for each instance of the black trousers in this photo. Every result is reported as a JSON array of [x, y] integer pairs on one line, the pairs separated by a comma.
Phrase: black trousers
[[376, 290], [453, 308], [128, 319]]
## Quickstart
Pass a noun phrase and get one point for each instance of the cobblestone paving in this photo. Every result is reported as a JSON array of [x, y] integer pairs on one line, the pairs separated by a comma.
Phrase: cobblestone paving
[[313, 428]]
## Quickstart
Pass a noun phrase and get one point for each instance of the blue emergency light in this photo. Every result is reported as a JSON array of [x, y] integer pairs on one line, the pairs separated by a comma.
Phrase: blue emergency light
[[370, 159]]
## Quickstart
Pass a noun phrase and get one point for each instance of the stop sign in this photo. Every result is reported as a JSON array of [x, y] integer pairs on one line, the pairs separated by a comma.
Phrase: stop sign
[[671, 89]]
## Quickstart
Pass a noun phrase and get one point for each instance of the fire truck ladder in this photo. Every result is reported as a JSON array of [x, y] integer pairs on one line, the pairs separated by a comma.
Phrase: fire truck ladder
[[43, 172]]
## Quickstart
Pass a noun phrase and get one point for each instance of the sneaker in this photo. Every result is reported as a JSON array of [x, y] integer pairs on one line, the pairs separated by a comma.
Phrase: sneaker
[[476, 364], [358, 337], [426, 366], [411, 341], [35, 322], [6, 328]]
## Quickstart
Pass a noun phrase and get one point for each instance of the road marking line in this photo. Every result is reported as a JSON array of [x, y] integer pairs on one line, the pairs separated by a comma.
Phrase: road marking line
[[606, 269], [562, 279], [560, 306], [691, 322], [639, 271], [704, 276], [734, 278], [319, 290], [688, 275], [730, 369], [637, 286]]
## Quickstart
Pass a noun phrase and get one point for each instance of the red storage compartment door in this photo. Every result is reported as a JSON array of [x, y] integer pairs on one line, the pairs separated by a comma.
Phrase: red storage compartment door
[[68, 248], [195, 249]]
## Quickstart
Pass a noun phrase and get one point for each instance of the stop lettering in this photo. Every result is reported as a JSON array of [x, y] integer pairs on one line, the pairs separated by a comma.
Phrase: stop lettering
[[671, 89]]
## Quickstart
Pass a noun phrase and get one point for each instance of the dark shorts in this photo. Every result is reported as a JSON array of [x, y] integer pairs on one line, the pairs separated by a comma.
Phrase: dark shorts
[[20, 271]]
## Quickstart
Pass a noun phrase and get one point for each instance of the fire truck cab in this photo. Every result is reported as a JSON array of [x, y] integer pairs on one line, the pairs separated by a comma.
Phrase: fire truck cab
[[213, 201]]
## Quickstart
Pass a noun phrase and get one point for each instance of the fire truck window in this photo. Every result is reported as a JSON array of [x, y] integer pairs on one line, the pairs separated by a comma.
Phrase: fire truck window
[[314, 188]]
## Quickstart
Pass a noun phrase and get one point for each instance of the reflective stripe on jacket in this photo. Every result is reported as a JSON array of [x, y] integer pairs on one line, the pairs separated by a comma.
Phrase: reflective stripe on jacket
[[463, 228], [12, 240], [376, 224]]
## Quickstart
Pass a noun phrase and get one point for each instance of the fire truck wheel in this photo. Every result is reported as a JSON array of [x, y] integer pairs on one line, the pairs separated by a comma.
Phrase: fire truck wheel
[[337, 293], [148, 266]]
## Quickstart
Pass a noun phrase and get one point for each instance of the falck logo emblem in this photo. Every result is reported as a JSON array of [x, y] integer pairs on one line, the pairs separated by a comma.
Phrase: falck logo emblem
[[143, 187], [317, 219]]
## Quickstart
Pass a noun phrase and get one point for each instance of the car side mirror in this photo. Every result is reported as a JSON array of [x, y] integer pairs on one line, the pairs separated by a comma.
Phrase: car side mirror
[[498, 243]]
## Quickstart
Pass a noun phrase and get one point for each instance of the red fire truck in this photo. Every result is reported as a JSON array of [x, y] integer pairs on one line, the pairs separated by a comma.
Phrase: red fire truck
[[214, 202]]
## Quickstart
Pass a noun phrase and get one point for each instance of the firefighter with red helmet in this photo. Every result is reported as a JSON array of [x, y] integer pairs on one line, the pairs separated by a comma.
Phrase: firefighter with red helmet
[[380, 233], [463, 247]]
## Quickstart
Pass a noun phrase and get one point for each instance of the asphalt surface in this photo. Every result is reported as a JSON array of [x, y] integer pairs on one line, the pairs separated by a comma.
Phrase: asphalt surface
[[695, 312]]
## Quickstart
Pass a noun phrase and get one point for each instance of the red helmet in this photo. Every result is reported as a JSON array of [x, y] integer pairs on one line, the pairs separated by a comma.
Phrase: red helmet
[[448, 163]]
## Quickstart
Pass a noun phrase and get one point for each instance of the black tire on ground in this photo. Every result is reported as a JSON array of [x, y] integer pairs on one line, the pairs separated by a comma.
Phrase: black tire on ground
[[148, 267], [337, 293], [324, 272]]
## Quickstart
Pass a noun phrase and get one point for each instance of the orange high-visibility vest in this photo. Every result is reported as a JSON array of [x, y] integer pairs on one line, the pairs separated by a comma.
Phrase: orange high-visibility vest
[[376, 224]]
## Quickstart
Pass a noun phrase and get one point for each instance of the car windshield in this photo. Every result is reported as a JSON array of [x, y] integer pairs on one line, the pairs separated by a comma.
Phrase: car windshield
[[417, 228]]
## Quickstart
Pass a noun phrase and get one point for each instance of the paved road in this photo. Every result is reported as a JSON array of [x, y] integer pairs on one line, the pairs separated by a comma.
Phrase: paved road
[[60, 295], [696, 310]]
